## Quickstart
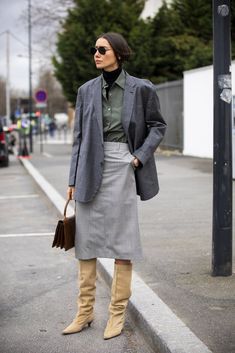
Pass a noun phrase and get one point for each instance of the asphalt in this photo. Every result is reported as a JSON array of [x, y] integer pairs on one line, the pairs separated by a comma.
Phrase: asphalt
[[176, 236], [39, 284]]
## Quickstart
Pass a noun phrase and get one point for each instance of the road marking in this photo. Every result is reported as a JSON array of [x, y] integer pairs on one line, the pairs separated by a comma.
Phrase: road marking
[[25, 235], [164, 329], [56, 142], [48, 189], [48, 155], [18, 196]]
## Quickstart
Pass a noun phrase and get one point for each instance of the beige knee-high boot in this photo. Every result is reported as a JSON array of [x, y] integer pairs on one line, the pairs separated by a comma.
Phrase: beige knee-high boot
[[120, 293], [86, 298]]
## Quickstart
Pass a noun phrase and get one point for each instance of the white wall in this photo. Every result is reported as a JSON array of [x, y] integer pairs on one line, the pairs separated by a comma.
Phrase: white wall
[[198, 111]]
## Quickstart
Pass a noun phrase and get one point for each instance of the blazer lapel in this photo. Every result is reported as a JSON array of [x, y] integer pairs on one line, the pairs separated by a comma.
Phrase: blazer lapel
[[97, 101], [128, 102]]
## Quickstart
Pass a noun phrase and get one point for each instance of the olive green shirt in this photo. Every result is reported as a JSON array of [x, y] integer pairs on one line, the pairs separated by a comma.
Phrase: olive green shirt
[[112, 109]]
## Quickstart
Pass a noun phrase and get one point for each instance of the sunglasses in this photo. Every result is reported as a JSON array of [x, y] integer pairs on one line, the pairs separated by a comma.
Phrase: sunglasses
[[101, 50]]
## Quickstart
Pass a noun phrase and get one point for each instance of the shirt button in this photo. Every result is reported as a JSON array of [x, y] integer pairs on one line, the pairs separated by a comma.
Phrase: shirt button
[[109, 109]]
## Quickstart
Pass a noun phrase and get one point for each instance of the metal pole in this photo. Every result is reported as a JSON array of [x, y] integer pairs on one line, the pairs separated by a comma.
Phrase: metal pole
[[8, 105], [222, 163], [30, 76], [41, 134]]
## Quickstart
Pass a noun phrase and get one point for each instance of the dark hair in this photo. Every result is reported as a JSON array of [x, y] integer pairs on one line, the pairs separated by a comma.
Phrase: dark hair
[[119, 45]]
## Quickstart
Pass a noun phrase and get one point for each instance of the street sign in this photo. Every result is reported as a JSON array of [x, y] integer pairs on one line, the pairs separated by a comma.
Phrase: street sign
[[17, 113], [41, 96], [41, 105]]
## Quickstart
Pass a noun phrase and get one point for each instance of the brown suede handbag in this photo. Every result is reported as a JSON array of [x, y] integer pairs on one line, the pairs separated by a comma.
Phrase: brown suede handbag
[[64, 237]]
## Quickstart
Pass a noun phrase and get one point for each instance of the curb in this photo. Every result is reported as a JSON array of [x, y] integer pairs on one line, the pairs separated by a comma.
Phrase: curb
[[164, 331]]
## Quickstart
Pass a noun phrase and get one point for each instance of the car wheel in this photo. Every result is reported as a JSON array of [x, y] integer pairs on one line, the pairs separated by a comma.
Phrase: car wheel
[[6, 163]]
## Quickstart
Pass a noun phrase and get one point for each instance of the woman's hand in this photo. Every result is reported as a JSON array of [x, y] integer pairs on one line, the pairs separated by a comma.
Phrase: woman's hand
[[135, 162], [70, 192]]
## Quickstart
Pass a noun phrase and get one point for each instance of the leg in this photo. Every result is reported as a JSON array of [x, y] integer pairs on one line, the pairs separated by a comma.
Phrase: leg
[[86, 298], [120, 293]]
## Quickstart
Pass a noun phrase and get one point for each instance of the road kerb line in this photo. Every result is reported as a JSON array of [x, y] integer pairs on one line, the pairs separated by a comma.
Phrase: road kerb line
[[26, 235], [9, 197], [49, 190]]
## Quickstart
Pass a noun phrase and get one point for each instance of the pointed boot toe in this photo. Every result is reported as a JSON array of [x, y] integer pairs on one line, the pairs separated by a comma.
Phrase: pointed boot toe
[[77, 326], [111, 332]]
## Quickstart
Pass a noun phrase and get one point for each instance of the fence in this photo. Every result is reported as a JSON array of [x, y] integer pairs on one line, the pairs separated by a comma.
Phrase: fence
[[171, 100]]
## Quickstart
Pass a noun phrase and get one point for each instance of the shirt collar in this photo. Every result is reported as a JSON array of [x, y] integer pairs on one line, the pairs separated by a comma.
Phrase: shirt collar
[[120, 81]]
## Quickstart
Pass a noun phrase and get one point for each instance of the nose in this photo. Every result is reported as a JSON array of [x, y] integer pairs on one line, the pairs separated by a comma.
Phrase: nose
[[97, 54]]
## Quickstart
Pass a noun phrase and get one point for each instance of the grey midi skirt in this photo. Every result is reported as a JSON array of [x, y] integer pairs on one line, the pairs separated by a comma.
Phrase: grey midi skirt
[[107, 226]]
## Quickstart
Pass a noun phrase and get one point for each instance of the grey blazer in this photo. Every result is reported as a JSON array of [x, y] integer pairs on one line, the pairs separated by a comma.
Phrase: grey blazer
[[144, 127]]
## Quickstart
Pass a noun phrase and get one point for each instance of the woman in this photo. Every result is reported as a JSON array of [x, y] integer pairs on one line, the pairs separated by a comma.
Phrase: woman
[[118, 126]]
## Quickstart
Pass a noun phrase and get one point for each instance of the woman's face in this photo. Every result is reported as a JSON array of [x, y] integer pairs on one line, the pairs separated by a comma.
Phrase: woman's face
[[108, 61]]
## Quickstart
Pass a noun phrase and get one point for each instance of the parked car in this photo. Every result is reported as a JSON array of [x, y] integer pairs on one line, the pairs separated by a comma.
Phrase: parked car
[[4, 157]]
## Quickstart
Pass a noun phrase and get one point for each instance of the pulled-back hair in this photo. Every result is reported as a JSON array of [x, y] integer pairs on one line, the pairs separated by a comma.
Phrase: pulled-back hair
[[119, 45]]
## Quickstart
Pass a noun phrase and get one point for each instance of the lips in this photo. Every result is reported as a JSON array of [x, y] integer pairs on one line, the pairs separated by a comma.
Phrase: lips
[[98, 62]]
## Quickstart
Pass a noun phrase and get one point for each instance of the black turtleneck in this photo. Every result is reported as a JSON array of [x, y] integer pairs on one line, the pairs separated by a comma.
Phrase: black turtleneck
[[111, 76]]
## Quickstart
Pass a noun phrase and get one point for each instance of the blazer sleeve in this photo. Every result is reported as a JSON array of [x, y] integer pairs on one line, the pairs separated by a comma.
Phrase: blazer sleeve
[[77, 136], [156, 127]]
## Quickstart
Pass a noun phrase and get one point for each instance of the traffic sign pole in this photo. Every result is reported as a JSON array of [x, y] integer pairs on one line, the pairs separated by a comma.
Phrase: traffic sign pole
[[41, 99]]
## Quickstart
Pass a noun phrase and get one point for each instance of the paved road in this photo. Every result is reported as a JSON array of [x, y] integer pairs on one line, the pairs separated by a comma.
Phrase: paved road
[[176, 235], [38, 283]]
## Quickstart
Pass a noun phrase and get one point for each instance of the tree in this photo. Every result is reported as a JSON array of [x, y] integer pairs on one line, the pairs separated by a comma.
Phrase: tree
[[14, 98], [46, 19], [195, 17], [178, 38], [56, 102], [184, 37], [74, 65]]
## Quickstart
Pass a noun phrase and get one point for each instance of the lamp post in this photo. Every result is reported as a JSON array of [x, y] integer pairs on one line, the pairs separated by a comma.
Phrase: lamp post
[[222, 163], [30, 75], [8, 105]]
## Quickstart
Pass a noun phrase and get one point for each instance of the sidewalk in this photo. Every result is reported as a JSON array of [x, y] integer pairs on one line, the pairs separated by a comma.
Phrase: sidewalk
[[176, 235], [39, 284]]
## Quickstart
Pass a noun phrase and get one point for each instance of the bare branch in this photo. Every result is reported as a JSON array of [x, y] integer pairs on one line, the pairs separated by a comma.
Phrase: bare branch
[[47, 18]]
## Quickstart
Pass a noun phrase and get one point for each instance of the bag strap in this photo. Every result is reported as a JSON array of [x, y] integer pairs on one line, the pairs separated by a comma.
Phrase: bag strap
[[65, 207]]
